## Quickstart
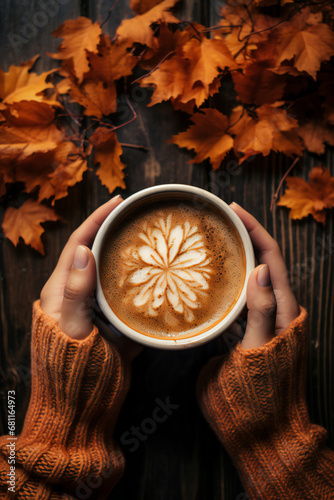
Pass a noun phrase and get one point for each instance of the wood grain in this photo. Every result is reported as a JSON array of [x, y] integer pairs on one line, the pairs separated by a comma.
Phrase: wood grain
[[182, 459]]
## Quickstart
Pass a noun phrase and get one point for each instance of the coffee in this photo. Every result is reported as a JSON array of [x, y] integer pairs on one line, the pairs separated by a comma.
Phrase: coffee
[[171, 269]]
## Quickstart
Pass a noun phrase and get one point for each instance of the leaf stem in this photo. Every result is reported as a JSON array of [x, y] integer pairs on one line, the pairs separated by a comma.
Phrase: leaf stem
[[274, 198]]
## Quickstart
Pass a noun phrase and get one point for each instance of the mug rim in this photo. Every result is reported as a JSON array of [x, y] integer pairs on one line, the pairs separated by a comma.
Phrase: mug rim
[[210, 333]]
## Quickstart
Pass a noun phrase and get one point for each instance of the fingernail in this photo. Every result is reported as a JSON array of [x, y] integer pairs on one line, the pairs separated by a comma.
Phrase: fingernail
[[117, 197], [263, 276], [81, 258]]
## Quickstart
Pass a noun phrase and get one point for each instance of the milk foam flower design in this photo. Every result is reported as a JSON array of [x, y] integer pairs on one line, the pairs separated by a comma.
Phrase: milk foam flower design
[[171, 267]]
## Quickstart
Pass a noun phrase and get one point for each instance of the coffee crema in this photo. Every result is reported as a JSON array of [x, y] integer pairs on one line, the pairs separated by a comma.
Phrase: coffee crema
[[172, 270]]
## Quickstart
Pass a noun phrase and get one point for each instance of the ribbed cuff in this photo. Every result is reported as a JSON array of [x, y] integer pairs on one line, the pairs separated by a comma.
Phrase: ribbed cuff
[[254, 400]]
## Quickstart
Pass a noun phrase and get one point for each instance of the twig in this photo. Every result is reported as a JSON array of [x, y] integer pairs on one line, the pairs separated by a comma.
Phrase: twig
[[156, 67], [109, 13], [135, 146], [274, 198]]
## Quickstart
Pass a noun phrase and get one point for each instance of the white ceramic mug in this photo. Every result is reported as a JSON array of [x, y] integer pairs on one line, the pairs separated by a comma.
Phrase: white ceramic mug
[[200, 198]]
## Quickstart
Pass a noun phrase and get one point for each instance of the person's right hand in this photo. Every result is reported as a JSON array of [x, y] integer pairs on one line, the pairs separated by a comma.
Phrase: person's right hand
[[271, 303]]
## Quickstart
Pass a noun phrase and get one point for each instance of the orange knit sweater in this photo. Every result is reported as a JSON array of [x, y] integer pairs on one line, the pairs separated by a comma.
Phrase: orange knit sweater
[[254, 400], [66, 447]]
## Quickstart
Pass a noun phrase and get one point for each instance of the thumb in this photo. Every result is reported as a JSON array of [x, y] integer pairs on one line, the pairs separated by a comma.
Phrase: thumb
[[76, 311], [261, 304]]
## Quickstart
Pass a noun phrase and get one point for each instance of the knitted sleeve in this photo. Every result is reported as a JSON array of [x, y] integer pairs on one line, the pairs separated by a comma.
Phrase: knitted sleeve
[[254, 401], [66, 448]]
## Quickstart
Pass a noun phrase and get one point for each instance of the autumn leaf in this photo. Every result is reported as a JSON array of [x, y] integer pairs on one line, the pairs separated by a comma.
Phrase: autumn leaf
[[97, 97], [80, 35], [308, 47], [138, 29], [258, 85], [107, 153], [272, 130], [20, 142], [20, 83], [311, 198], [25, 222], [112, 61], [207, 137], [28, 113], [189, 74], [315, 134]]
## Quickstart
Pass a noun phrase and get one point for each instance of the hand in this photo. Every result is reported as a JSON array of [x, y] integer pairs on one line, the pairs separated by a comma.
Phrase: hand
[[67, 296], [271, 303]]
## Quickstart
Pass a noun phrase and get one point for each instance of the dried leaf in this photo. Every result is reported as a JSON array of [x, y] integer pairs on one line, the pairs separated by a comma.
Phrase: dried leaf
[[308, 47], [138, 29], [111, 62], [22, 84], [207, 137], [107, 152], [315, 134], [21, 142], [25, 222], [272, 130], [80, 35], [28, 113], [314, 198]]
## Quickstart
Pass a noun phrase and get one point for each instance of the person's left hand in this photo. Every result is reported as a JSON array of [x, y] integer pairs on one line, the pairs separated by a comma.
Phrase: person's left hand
[[67, 296]]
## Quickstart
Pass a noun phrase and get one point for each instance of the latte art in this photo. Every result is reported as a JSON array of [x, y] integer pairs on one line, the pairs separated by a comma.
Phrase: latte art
[[171, 270], [171, 267]]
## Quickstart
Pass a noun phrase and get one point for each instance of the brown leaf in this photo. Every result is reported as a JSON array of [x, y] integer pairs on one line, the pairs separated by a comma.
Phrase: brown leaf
[[315, 134], [272, 130], [207, 137], [138, 29], [20, 142], [107, 152], [258, 85], [80, 35], [25, 222], [306, 42], [22, 84], [28, 113], [190, 73], [111, 62], [314, 198]]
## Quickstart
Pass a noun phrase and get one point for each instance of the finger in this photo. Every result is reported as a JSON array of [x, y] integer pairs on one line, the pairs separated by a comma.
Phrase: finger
[[261, 306], [52, 293], [85, 234], [76, 311], [269, 253]]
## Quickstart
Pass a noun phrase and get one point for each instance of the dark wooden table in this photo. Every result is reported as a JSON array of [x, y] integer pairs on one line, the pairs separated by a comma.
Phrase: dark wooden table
[[182, 459]]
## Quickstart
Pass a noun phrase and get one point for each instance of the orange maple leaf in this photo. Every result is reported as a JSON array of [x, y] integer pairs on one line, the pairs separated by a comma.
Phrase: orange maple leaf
[[315, 134], [25, 222], [314, 198], [306, 41], [272, 130], [28, 113], [258, 85], [207, 137], [190, 73], [111, 62], [20, 83], [18, 143], [80, 35], [107, 153], [138, 29]]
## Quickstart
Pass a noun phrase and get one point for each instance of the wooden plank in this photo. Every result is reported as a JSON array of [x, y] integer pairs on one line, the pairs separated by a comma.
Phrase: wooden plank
[[24, 271]]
